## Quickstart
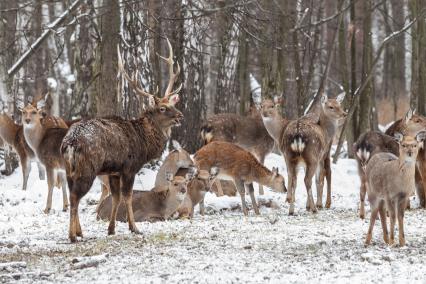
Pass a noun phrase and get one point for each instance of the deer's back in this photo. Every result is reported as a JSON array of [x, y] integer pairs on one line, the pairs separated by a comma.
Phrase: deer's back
[[245, 131], [114, 144]]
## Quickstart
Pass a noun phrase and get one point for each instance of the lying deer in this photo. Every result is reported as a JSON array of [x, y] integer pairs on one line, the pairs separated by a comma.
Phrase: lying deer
[[197, 188], [307, 142], [13, 135], [391, 182], [158, 204], [90, 149], [241, 167], [373, 142], [44, 136], [248, 132]]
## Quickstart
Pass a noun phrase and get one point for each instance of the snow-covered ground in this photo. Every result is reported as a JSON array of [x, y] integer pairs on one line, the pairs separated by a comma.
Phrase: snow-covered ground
[[223, 246]]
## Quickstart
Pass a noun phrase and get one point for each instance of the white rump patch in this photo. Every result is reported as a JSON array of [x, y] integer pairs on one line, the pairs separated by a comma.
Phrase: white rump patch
[[298, 145]]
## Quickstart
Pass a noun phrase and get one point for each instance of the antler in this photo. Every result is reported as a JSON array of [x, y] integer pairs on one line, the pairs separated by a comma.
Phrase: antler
[[173, 76], [133, 81]]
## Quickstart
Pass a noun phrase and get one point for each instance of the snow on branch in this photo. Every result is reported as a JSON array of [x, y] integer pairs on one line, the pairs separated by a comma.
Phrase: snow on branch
[[42, 38]]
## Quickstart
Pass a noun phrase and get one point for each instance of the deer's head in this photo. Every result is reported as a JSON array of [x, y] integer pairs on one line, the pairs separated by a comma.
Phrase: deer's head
[[409, 146], [332, 108], [163, 109]]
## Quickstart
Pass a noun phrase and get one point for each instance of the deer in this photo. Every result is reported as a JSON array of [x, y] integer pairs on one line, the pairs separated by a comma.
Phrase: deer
[[177, 158], [44, 136], [390, 183], [91, 146], [160, 203], [307, 141], [13, 135], [373, 142], [240, 166], [248, 132], [197, 188]]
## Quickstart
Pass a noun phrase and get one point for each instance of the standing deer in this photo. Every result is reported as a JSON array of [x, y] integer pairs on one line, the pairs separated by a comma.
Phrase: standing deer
[[241, 167], [373, 142], [307, 142], [118, 148], [248, 132], [391, 182], [44, 136], [160, 203], [13, 135]]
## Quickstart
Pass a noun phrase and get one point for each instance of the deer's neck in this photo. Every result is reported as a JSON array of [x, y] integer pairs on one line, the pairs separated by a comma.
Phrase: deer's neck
[[8, 129], [329, 127], [33, 134], [262, 176], [274, 126]]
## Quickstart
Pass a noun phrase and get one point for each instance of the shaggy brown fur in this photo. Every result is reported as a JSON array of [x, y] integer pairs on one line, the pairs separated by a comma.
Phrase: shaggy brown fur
[[116, 147]]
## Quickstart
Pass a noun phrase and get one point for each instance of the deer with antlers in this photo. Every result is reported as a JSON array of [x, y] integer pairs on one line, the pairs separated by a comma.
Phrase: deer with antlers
[[118, 148]]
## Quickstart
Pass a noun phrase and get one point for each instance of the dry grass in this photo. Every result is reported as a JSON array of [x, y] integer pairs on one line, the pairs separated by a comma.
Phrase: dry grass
[[386, 109]]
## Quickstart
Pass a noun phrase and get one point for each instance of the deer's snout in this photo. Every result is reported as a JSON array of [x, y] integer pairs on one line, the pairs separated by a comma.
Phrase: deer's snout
[[27, 120]]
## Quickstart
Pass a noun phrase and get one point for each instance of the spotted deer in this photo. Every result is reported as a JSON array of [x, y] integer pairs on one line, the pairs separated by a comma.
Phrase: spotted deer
[[241, 167], [248, 132], [44, 136], [373, 142], [119, 148], [197, 188], [158, 204], [390, 183], [307, 142], [13, 134]]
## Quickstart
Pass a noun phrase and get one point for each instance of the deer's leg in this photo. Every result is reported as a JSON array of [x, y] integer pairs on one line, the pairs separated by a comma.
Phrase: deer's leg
[[219, 187], [319, 181], [78, 189], [253, 198], [420, 188], [104, 194], [262, 161], [423, 180], [202, 208], [382, 212], [41, 171], [401, 205], [127, 190], [114, 183], [292, 183], [392, 216], [310, 172], [362, 192], [63, 178], [374, 212], [26, 169], [327, 166], [240, 187], [50, 185]]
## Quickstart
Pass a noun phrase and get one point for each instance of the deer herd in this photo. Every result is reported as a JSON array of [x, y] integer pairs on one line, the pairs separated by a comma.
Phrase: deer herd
[[72, 154]]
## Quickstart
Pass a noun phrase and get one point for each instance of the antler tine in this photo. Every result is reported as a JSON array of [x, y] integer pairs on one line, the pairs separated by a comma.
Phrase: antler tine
[[133, 81], [173, 76]]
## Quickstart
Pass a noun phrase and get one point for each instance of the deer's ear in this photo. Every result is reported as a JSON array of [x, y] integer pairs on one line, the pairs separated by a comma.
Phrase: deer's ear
[[174, 99], [324, 99], [421, 136], [275, 171], [398, 137], [278, 100], [20, 105], [169, 176], [189, 176], [340, 98], [409, 115], [41, 104]]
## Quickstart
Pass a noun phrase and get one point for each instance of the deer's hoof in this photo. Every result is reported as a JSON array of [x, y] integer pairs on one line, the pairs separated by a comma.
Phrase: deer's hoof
[[46, 211]]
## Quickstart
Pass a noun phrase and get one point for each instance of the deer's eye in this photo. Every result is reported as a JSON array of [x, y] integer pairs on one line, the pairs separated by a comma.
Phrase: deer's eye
[[330, 107], [33, 112], [162, 109]]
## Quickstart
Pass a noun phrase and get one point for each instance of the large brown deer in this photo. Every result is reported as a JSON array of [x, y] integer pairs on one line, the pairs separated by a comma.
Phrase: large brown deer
[[158, 204], [44, 136], [118, 148], [248, 132], [13, 135], [373, 142], [307, 142], [390, 183], [241, 167]]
